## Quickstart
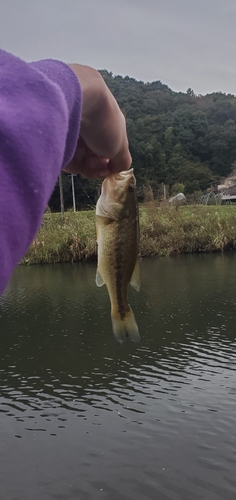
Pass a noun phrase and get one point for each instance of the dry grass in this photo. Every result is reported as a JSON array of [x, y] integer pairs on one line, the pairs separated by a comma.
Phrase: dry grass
[[163, 231], [167, 231]]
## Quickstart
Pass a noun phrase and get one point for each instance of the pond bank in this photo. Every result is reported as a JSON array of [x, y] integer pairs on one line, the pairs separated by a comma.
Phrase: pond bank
[[163, 231]]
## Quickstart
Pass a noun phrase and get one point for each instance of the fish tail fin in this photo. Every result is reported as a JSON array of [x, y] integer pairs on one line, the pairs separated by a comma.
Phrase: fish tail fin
[[126, 327]]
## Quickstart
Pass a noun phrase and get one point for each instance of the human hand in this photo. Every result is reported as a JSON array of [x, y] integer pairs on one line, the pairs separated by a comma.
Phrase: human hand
[[102, 147]]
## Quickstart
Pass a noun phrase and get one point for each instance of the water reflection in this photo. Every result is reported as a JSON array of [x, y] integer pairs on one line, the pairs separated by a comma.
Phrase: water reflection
[[158, 415]]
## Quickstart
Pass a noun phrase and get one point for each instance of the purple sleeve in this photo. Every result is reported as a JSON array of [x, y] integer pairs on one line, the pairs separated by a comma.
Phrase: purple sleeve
[[40, 116]]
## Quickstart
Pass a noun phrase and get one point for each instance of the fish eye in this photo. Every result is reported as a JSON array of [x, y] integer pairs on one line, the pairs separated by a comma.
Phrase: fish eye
[[131, 188]]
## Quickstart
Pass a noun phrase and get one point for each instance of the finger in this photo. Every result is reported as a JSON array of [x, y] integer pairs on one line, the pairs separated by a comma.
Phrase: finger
[[95, 168], [90, 167], [84, 162], [121, 162]]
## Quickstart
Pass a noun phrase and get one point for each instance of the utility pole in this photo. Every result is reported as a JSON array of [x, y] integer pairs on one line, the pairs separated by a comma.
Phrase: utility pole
[[73, 191], [61, 195], [164, 191]]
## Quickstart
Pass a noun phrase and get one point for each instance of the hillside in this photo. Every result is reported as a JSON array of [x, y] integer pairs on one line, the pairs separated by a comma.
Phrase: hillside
[[174, 137]]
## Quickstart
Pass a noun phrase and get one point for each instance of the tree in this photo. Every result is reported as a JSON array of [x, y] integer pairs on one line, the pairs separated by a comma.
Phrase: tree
[[174, 137]]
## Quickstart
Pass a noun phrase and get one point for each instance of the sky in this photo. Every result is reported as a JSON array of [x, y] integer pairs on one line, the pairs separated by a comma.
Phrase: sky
[[183, 43]]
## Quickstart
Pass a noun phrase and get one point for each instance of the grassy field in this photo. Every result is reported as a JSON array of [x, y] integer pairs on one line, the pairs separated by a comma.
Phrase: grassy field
[[163, 231]]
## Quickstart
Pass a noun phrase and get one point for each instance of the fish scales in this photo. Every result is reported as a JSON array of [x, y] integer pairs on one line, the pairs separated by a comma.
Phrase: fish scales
[[117, 237], [118, 259]]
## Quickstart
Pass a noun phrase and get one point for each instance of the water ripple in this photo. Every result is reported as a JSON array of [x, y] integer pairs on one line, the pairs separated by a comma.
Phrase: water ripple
[[161, 414]]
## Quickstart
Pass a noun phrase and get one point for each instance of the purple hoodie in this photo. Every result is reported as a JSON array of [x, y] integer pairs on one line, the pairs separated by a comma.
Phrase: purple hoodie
[[40, 113]]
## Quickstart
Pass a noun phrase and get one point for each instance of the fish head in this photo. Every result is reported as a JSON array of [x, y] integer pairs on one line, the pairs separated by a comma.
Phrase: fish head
[[118, 195]]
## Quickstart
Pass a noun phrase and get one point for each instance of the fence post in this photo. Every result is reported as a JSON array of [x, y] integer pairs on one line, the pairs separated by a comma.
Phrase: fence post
[[61, 195], [73, 191]]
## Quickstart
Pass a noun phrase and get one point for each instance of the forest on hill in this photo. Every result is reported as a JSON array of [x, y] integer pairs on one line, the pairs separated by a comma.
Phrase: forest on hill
[[182, 140]]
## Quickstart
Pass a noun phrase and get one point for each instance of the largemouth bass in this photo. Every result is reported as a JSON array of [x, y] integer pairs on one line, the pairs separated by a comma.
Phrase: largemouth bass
[[118, 239]]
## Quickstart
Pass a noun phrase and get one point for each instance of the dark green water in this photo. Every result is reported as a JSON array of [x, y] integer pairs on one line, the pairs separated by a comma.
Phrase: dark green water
[[82, 417]]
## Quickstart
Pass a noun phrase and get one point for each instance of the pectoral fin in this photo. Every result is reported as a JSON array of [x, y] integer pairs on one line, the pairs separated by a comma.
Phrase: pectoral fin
[[135, 278], [99, 279]]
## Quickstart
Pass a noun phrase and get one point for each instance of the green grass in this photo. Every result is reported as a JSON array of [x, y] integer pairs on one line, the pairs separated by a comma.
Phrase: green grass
[[64, 239], [163, 231]]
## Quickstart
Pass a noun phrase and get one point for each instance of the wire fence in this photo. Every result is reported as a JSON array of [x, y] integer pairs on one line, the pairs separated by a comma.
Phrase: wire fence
[[211, 199]]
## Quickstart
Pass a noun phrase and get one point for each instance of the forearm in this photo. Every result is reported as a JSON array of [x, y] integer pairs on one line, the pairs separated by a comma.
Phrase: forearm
[[104, 135], [41, 109], [103, 126]]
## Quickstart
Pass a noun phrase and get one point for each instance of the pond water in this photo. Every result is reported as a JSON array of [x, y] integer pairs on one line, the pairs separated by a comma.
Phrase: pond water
[[83, 417]]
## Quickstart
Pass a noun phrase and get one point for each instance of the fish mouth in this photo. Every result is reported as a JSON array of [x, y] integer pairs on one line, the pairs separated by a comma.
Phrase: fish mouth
[[118, 190], [119, 179], [123, 175]]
